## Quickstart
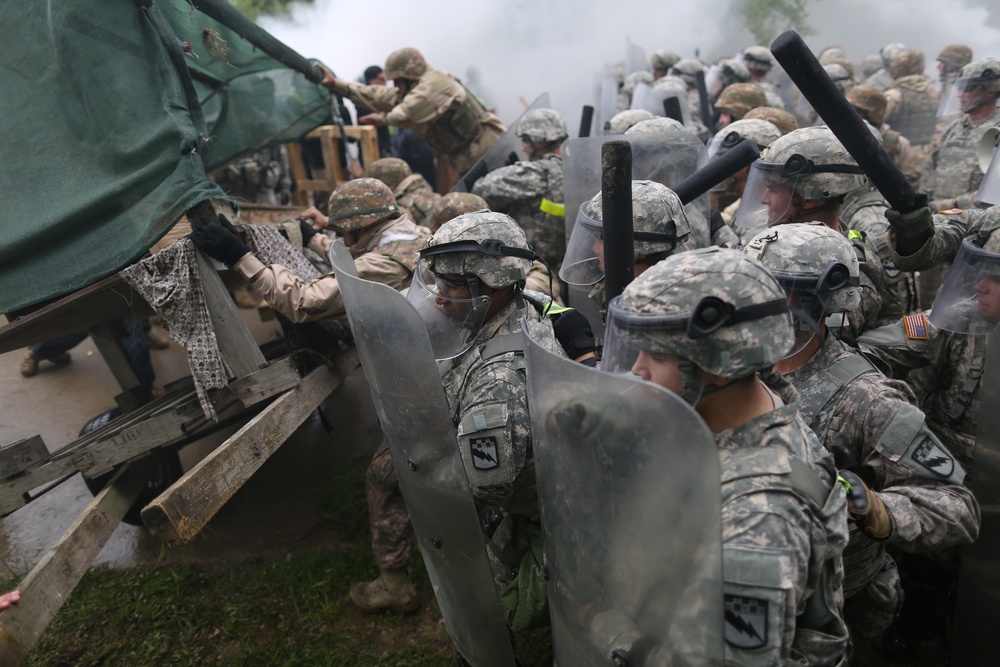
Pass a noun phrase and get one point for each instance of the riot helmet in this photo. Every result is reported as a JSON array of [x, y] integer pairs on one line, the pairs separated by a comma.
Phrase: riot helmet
[[969, 301], [471, 251], [783, 120], [712, 310], [541, 126], [453, 205], [758, 131], [687, 69], [623, 120], [818, 269], [890, 51], [981, 77], [758, 59], [662, 60], [809, 163], [659, 225]]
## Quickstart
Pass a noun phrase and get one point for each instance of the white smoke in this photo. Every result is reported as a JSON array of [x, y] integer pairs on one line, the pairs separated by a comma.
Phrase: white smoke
[[523, 48]]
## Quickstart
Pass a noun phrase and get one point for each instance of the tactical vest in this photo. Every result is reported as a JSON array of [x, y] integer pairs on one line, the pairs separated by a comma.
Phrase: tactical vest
[[459, 126], [774, 470], [917, 116], [863, 556]]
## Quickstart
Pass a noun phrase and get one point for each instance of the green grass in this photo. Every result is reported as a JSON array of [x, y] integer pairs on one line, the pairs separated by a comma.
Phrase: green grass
[[293, 610]]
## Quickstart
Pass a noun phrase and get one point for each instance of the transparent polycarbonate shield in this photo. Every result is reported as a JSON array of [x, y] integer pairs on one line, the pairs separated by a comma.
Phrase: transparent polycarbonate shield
[[989, 189], [652, 99], [629, 488], [607, 101], [977, 608], [507, 150], [635, 58], [949, 106], [396, 355], [969, 301]]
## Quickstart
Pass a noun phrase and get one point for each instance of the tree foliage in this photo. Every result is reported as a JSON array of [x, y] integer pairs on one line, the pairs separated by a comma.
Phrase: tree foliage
[[253, 9], [766, 19]]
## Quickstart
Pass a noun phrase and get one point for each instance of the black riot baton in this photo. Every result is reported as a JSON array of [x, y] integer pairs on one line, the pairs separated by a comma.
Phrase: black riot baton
[[716, 171], [616, 209], [816, 86], [586, 120], [707, 112], [672, 109]]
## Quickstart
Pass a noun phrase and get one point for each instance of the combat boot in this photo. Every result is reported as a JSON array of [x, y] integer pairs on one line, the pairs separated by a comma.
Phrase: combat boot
[[29, 365], [391, 591]]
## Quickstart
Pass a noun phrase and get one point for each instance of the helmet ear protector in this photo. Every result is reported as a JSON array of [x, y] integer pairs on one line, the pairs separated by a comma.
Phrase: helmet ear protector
[[797, 165], [712, 313]]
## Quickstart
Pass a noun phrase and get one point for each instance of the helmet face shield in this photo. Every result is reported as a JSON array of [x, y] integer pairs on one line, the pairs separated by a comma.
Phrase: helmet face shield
[[969, 301], [627, 334], [767, 198], [584, 260], [452, 315], [989, 189], [949, 105]]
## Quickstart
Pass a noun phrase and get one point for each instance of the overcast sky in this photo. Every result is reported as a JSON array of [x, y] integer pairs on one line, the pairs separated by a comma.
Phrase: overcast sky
[[525, 47]]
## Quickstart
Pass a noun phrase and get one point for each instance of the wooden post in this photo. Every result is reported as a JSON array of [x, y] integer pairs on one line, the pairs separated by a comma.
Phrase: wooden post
[[181, 511], [21, 455], [236, 344], [51, 582], [107, 337]]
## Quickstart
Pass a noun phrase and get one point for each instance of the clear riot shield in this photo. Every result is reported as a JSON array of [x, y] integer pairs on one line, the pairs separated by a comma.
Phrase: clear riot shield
[[411, 406], [629, 489], [507, 150], [977, 608], [607, 104], [635, 58]]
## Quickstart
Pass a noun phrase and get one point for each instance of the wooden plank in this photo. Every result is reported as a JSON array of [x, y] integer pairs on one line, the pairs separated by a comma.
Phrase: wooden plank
[[298, 167], [105, 300], [328, 137], [21, 455], [278, 377], [236, 344], [181, 511], [108, 339], [51, 582], [367, 137]]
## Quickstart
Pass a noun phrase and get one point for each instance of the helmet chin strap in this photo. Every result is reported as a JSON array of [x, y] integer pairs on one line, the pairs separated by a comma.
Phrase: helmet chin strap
[[694, 386]]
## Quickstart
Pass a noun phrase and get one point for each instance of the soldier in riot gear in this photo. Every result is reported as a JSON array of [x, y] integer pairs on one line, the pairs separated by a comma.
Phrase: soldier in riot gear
[[805, 176], [660, 225], [728, 193], [383, 241], [704, 324], [531, 191], [623, 120], [868, 422], [434, 103], [951, 60], [736, 100], [661, 61]]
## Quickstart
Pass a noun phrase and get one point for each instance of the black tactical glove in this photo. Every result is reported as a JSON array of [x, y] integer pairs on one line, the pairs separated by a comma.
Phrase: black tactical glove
[[911, 230], [865, 507], [218, 239], [594, 420], [513, 158], [305, 226], [574, 333]]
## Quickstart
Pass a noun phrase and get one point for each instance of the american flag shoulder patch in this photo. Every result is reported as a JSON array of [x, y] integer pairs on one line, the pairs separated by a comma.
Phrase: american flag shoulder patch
[[916, 327]]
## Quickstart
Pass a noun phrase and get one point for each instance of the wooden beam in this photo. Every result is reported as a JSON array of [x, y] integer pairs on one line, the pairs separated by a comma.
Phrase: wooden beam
[[107, 337], [51, 582], [236, 344], [21, 455], [181, 511]]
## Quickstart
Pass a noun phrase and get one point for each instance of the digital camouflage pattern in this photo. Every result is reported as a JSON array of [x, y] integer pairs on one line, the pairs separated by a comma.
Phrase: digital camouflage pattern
[[781, 545], [359, 203], [663, 60], [655, 210], [758, 59], [953, 175], [531, 192], [984, 73], [405, 63], [452, 205], [415, 194], [840, 76], [863, 211], [949, 231], [389, 170], [739, 98], [542, 126], [676, 284], [954, 363], [781, 119], [493, 270], [687, 69], [634, 79], [761, 132], [820, 146], [623, 120]]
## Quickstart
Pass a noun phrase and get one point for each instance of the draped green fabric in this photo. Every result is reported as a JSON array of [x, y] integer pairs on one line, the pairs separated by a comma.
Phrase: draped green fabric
[[105, 143]]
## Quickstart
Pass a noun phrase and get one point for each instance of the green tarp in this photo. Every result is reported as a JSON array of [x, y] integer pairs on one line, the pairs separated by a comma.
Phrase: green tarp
[[105, 141]]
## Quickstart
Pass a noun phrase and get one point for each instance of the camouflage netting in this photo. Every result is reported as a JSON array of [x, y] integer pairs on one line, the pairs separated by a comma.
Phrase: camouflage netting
[[105, 114]]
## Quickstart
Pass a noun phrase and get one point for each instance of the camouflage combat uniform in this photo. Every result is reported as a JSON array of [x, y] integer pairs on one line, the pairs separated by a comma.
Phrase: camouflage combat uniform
[[415, 194], [782, 539], [384, 253], [954, 171], [487, 394], [863, 211], [531, 192], [439, 108], [869, 424]]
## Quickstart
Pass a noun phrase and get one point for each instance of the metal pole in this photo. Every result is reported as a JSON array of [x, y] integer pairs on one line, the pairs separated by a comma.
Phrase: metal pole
[[586, 120]]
